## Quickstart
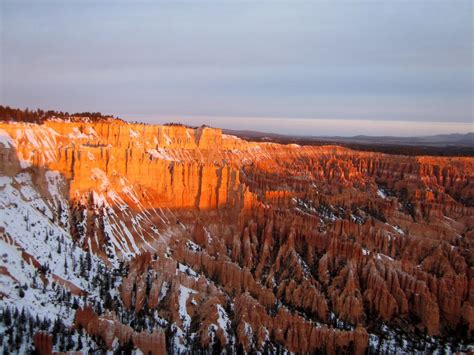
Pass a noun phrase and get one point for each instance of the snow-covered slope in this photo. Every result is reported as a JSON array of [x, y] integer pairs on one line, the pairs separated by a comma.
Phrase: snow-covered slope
[[133, 238], [43, 271]]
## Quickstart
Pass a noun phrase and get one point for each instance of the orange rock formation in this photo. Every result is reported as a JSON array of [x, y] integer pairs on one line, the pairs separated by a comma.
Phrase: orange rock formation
[[306, 248]]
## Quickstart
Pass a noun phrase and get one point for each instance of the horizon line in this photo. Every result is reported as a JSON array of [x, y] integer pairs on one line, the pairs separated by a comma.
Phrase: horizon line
[[317, 126]]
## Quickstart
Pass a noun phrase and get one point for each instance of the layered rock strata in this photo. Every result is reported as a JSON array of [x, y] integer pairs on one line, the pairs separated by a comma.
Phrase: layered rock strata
[[230, 244]]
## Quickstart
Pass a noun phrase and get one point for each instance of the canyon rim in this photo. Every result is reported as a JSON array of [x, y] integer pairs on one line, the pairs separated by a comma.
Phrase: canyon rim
[[131, 237]]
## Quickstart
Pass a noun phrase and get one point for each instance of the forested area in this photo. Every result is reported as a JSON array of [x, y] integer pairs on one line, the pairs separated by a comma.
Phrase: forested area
[[8, 113]]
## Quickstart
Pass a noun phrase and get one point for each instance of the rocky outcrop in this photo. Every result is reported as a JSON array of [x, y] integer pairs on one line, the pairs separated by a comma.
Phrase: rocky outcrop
[[255, 327], [261, 246], [346, 297], [43, 343], [108, 328]]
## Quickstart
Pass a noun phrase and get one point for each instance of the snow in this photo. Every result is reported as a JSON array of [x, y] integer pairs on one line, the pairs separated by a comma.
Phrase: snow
[[160, 153], [92, 132], [29, 214], [381, 194], [133, 134], [90, 156], [26, 163], [399, 230], [184, 293], [28, 219], [41, 139], [130, 192], [223, 320], [28, 193], [192, 246], [99, 174], [188, 271], [130, 237], [229, 136], [124, 237], [30, 134], [34, 300], [449, 219], [179, 340], [164, 290], [357, 219], [6, 140], [393, 341], [208, 235], [167, 139], [77, 134], [248, 330], [381, 256]]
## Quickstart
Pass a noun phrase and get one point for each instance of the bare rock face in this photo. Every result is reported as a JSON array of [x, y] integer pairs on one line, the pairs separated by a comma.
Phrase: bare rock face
[[216, 243], [43, 343], [108, 328], [346, 296]]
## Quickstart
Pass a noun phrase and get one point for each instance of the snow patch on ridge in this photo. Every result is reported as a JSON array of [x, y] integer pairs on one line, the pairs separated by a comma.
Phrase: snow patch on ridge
[[99, 174], [223, 320], [6, 140], [184, 293], [381, 194], [160, 153]]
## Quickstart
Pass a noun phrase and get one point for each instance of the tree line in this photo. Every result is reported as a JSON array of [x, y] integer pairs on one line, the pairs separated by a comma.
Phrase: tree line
[[8, 113]]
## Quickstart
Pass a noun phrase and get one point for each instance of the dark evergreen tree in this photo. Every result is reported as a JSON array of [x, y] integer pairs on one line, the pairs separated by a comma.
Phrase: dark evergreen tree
[[57, 327], [22, 318], [31, 324], [82, 266], [69, 342], [88, 261], [75, 304], [18, 337], [7, 317], [79, 342]]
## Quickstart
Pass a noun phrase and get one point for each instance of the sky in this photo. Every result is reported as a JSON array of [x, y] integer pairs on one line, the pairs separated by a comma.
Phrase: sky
[[398, 67]]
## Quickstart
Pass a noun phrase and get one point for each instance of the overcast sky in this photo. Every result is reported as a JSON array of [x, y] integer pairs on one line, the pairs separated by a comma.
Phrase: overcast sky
[[316, 67]]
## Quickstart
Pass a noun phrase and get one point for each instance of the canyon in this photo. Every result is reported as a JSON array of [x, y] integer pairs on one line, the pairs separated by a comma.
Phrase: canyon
[[170, 239]]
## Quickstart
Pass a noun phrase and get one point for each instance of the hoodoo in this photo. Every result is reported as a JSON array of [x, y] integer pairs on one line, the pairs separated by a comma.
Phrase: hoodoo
[[120, 236]]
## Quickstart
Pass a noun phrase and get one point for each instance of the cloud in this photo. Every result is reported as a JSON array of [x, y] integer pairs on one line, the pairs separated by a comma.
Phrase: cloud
[[390, 60]]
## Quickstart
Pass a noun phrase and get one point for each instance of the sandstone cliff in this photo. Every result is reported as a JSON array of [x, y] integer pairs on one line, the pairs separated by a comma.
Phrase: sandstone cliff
[[218, 243]]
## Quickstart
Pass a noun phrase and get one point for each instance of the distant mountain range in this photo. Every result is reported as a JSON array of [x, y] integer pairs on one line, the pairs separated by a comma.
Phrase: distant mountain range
[[457, 144], [456, 139], [440, 140]]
